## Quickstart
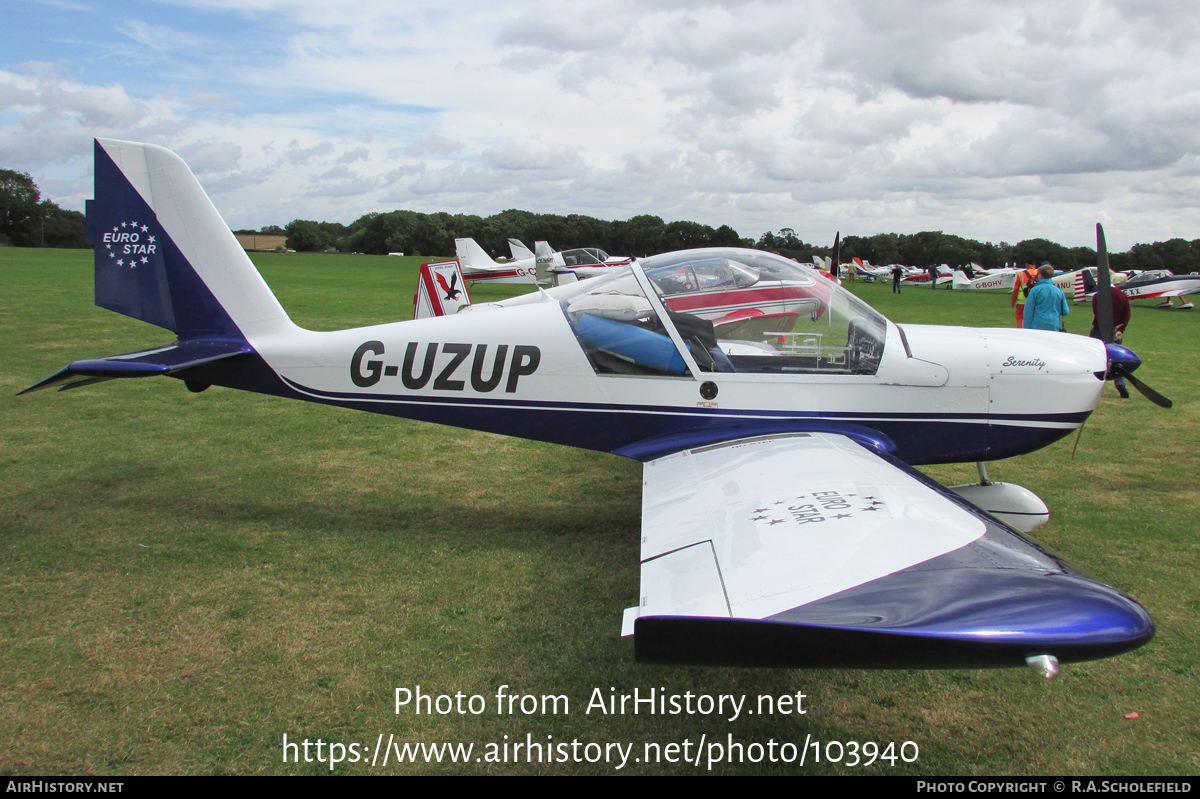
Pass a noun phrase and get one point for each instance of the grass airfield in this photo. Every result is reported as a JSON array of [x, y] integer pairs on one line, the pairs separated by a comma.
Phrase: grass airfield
[[186, 578]]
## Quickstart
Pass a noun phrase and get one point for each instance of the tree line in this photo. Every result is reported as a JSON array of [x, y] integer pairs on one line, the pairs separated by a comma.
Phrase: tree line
[[26, 220], [433, 234]]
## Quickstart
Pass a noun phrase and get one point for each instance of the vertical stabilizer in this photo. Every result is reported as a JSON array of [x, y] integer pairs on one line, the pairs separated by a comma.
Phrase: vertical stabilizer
[[472, 256], [441, 290], [164, 254], [519, 251], [545, 260]]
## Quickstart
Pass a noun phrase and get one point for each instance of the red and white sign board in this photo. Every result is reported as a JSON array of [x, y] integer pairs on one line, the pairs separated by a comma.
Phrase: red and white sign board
[[441, 290]]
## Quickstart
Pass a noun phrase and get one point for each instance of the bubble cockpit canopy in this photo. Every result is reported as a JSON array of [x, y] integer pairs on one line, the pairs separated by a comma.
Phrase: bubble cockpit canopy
[[735, 310]]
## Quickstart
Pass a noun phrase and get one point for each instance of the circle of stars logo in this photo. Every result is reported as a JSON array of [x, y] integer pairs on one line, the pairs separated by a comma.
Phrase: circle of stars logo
[[846, 507], [122, 237]]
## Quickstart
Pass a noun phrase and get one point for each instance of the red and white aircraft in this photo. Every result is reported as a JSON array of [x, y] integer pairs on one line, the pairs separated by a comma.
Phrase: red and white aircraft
[[478, 266], [1162, 284]]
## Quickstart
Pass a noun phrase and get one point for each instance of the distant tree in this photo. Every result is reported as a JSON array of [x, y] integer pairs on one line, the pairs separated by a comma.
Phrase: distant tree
[[1084, 256], [61, 228], [920, 249], [1143, 257], [304, 235], [335, 236], [19, 199], [1177, 255], [1035, 251], [26, 220]]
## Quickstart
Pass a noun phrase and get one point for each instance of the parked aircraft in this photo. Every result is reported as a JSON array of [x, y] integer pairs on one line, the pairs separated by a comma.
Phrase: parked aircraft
[[916, 275], [559, 268], [1162, 284], [997, 279], [867, 272], [478, 266], [1081, 283], [783, 523], [772, 299]]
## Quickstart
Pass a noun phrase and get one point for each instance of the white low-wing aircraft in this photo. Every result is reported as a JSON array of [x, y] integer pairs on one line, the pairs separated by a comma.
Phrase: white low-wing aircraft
[[478, 266], [568, 266], [783, 523], [1000, 279]]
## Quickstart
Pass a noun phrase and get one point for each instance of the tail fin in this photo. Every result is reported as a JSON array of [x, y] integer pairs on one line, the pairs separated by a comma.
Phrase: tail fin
[[164, 254], [472, 256], [960, 281], [1085, 284], [545, 260], [519, 251], [441, 290]]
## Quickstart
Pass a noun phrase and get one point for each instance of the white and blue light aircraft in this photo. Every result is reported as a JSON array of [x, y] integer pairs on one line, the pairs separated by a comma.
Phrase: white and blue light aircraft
[[783, 523]]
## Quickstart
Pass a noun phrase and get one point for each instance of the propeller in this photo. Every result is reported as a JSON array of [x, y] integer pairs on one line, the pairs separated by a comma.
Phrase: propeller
[[836, 268], [1122, 361], [1146, 391]]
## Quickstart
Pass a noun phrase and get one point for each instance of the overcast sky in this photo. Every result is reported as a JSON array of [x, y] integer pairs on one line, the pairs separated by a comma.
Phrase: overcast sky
[[992, 120]]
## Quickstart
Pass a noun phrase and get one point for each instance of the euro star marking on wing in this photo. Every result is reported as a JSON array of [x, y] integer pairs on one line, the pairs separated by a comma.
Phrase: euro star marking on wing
[[824, 506]]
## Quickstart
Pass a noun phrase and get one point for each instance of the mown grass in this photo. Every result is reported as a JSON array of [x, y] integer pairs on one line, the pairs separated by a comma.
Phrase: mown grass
[[186, 578]]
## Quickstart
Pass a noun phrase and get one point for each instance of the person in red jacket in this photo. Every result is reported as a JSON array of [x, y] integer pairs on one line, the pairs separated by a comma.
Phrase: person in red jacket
[[1122, 314]]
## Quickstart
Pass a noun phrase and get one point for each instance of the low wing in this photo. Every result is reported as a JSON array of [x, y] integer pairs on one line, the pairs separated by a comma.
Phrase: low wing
[[169, 360], [810, 550]]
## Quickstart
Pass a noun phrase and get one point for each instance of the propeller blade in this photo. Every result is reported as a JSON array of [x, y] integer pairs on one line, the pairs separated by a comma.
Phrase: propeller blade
[[1145, 390], [1104, 304], [836, 269]]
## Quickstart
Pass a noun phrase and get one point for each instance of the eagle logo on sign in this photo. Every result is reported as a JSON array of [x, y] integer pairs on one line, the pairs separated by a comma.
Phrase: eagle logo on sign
[[449, 291]]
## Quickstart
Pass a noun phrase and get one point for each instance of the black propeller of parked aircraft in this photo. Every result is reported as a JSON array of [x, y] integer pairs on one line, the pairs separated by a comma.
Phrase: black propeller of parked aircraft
[[1104, 322]]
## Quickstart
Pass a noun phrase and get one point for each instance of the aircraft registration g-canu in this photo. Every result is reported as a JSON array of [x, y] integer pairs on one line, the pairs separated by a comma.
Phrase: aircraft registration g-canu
[[783, 521]]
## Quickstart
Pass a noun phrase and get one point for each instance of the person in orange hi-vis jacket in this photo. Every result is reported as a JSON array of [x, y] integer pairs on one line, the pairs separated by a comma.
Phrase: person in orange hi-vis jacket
[[1025, 281]]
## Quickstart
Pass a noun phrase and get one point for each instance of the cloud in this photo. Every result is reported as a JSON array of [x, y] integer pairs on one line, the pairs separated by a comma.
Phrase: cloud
[[350, 156], [299, 156], [525, 155], [432, 145], [988, 119], [210, 156]]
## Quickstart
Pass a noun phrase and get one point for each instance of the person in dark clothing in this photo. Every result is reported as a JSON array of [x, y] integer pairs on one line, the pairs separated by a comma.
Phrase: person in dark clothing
[[1122, 313], [897, 273]]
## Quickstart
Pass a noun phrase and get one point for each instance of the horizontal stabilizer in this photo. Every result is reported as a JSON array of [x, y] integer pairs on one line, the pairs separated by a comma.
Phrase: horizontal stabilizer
[[147, 363]]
